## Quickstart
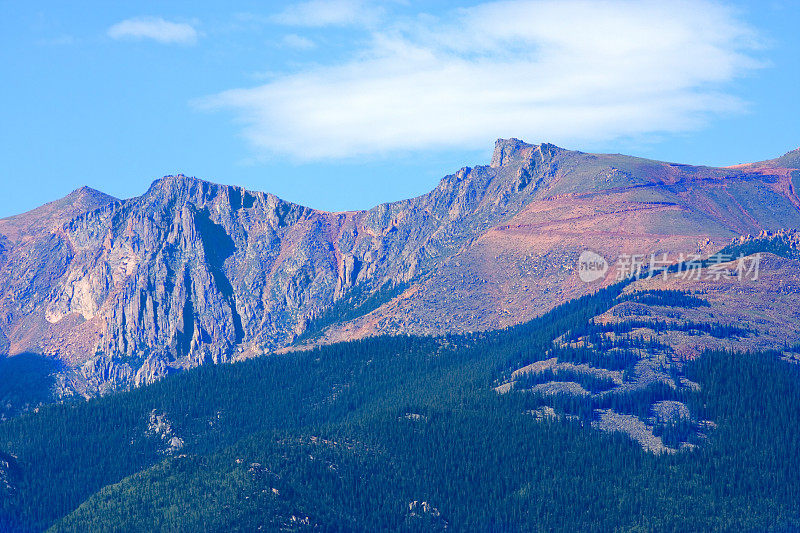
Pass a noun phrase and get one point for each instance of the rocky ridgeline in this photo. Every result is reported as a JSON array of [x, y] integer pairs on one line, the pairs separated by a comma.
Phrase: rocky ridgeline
[[159, 427], [191, 272]]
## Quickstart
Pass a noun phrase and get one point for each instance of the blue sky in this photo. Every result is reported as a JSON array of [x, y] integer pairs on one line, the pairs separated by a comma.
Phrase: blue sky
[[343, 104]]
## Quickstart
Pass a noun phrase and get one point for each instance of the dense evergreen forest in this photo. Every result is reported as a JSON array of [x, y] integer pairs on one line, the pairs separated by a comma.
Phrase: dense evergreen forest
[[26, 381], [483, 467], [408, 433]]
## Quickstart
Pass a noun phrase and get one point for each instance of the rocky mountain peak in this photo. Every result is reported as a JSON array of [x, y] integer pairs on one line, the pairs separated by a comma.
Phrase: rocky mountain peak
[[54, 214], [508, 150], [83, 192], [790, 159], [83, 198], [179, 189], [514, 151], [176, 181]]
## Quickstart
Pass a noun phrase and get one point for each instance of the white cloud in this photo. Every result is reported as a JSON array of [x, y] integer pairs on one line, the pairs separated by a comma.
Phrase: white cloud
[[566, 71], [154, 28], [298, 41], [319, 13]]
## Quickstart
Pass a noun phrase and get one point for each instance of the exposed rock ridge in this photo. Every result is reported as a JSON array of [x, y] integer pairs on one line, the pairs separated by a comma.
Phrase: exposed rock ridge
[[192, 272]]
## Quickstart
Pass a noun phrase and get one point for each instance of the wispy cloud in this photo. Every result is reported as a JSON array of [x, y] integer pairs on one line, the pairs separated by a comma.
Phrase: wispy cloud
[[318, 13], [568, 71], [154, 28], [298, 41]]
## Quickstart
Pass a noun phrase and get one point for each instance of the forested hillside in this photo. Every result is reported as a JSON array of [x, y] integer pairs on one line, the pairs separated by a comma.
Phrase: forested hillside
[[407, 433]]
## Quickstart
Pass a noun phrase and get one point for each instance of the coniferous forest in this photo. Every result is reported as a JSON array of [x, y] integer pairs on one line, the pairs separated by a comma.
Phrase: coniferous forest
[[408, 433]]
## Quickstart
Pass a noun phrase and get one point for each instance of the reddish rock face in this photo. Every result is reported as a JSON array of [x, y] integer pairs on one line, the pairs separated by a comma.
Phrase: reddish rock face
[[192, 272]]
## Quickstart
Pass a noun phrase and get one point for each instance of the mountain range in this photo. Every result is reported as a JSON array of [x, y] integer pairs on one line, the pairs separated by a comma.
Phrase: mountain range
[[556, 341], [121, 292]]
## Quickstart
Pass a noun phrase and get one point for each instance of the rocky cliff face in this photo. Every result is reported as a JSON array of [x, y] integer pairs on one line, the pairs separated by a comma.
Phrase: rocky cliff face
[[192, 272]]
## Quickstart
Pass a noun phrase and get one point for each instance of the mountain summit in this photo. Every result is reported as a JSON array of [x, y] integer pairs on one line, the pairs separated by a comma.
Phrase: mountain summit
[[513, 151], [124, 291]]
